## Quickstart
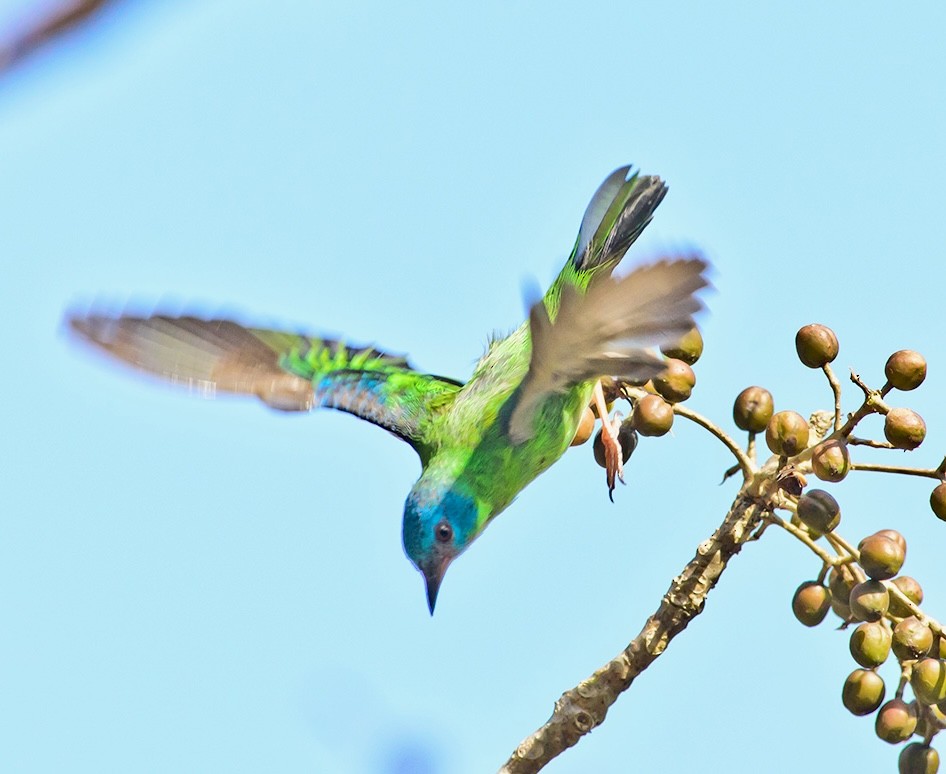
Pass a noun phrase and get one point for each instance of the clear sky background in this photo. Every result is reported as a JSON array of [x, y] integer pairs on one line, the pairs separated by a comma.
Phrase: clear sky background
[[210, 586]]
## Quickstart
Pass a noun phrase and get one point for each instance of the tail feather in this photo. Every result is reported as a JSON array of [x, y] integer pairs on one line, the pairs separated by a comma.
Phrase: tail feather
[[616, 215]]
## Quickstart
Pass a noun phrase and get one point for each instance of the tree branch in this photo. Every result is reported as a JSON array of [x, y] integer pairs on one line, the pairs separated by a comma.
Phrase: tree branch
[[585, 706]]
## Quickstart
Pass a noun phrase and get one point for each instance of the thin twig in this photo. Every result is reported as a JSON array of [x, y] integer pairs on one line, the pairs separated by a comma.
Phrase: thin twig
[[937, 473], [855, 441], [836, 389]]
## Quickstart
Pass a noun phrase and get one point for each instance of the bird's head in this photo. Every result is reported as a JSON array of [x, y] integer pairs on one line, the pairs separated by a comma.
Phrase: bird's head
[[438, 526]]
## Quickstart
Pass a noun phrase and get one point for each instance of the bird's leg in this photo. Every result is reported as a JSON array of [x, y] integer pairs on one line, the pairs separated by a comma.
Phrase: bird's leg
[[613, 456]]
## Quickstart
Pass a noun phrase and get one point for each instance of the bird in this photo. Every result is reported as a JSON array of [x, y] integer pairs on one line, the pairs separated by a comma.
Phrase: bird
[[480, 442]]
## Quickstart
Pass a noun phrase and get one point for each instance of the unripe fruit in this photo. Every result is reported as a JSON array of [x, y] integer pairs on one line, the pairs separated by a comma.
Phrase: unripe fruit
[[911, 639], [830, 460], [911, 589], [586, 426], [818, 511], [676, 382], [938, 501], [811, 603], [863, 692], [917, 758], [652, 416], [870, 644], [816, 345], [786, 433], [895, 536], [869, 601], [881, 557], [905, 429], [688, 349], [929, 680], [753, 409], [896, 721], [905, 370]]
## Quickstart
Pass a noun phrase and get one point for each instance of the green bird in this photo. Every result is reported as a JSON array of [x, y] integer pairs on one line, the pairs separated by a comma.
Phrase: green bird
[[480, 442]]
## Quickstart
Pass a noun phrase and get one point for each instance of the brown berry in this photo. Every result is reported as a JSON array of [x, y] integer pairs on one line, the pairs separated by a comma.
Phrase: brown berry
[[929, 680], [881, 557], [818, 511], [896, 721], [816, 345], [911, 589], [676, 382], [938, 501], [895, 536], [905, 370], [811, 603], [918, 758], [830, 460], [912, 639], [586, 426], [786, 433], [904, 428], [753, 409], [688, 349], [869, 600], [652, 416], [863, 691], [870, 644]]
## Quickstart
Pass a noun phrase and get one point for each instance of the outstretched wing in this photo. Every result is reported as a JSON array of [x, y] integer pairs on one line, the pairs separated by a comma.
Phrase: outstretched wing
[[603, 332], [287, 371]]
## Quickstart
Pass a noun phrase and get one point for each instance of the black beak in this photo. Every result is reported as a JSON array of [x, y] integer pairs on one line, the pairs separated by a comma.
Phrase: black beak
[[433, 576]]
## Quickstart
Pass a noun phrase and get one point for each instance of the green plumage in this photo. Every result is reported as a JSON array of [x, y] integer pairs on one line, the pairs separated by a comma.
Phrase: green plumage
[[480, 442]]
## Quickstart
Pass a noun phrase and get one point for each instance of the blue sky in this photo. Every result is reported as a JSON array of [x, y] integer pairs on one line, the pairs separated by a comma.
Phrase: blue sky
[[197, 586]]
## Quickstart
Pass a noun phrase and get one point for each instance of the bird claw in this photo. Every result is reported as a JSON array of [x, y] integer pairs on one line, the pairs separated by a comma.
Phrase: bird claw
[[613, 455]]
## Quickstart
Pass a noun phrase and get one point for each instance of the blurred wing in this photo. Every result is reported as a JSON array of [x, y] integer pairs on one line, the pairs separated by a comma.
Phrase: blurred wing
[[287, 371], [603, 332]]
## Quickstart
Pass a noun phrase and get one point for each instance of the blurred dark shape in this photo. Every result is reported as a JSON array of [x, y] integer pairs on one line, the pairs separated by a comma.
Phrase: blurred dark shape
[[44, 25]]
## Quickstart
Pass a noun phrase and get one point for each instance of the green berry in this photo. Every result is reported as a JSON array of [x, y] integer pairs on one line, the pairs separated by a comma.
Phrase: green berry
[[912, 639], [911, 589], [918, 758], [929, 680], [863, 691], [688, 349], [786, 433], [869, 600], [830, 460], [870, 644]]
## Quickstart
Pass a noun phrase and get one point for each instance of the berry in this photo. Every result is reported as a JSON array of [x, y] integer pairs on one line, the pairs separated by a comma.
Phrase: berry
[[586, 426], [917, 758], [830, 460], [938, 501], [753, 409], [870, 644], [863, 691], [811, 603], [911, 589], [786, 433], [869, 600], [881, 557], [652, 416], [912, 639], [905, 370], [818, 511], [688, 349], [905, 429], [675, 383], [816, 345], [896, 721], [929, 680]]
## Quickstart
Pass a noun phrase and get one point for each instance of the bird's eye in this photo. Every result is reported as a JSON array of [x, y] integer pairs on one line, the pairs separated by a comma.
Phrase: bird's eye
[[444, 532]]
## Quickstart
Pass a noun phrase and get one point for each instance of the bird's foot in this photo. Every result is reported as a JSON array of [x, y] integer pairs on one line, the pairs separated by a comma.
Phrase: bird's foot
[[613, 455]]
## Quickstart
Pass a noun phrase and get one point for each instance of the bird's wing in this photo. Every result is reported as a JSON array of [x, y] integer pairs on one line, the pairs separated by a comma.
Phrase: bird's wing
[[603, 332], [287, 371]]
